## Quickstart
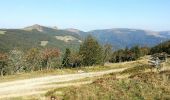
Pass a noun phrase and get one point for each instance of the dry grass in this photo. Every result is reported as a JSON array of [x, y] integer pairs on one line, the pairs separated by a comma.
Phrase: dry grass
[[139, 85], [2, 32], [67, 38], [142, 86], [44, 43], [63, 71]]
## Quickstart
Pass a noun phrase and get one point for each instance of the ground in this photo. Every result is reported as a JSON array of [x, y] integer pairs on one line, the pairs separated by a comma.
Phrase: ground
[[43, 86]]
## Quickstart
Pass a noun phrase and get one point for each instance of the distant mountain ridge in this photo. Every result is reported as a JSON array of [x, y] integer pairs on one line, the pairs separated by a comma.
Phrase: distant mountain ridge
[[42, 36], [35, 27], [122, 37]]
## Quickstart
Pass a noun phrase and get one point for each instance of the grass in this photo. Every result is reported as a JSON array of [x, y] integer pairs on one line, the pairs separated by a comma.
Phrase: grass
[[35, 74], [53, 91], [140, 85], [44, 43], [43, 73], [74, 81], [137, 69], [63, 71], [2, 32], [145, 87]]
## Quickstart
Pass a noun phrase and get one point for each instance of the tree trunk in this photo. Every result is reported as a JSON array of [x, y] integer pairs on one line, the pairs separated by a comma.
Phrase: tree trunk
[[2, 74]]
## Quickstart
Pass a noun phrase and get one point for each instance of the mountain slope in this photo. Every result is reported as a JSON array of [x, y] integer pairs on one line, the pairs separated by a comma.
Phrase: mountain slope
[[120, 38], [43, 37], [25, 39]]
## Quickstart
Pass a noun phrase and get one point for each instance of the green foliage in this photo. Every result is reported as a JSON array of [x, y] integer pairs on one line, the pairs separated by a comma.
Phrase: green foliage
[[75, 59], [24, 40], [163, 47], [66, 58], [91, 52], [17, 61], [32, 58], [136, 69], [107, 50], [136, 51], [3, 64], [129, 54]]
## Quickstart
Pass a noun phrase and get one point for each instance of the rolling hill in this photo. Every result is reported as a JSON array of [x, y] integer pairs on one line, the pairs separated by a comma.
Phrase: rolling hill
[[36, 36], [42, 37]]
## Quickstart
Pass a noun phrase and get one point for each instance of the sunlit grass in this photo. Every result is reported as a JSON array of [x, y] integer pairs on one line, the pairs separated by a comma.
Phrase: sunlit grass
[[2, 32]]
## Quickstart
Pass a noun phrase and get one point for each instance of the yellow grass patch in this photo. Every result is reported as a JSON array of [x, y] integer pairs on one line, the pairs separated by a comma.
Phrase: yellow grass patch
[[67, 38], [2, 32], [44, 43]]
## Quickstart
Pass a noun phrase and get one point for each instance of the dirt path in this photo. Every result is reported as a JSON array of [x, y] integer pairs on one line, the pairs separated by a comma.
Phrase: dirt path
[[34, 85]]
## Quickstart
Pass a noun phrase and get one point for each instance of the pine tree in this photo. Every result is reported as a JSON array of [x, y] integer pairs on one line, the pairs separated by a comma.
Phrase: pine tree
[[107, 53], [66, 58], [91, 52], [136, 50]]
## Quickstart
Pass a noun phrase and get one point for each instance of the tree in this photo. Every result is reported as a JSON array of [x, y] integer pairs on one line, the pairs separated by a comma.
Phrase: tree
[[136, 51], [3, 63], [91, 52], [75, 59], [66, 58], [162, 47], [17, 61], [107, 53], [32, 59], [144, 51], [47, 55]]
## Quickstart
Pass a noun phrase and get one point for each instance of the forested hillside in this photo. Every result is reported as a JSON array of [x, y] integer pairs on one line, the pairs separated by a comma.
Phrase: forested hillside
[[26, 39], [123, 37], [44, 37]]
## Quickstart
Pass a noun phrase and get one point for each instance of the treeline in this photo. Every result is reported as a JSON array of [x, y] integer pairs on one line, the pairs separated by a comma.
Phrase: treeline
[[162, 47], [34, 59], [89, 53], [129, 54]]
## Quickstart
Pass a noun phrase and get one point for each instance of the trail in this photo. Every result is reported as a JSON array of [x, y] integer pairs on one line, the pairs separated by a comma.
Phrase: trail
[[38, 85]]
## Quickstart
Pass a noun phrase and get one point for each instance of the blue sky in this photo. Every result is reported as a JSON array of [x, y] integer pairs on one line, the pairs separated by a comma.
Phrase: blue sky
[[86, 14]]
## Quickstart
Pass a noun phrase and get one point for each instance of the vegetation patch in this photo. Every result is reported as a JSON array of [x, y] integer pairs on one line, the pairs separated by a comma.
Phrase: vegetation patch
[[111, 88], [67, 38], [137, 69], [2, 32], [44, 43]]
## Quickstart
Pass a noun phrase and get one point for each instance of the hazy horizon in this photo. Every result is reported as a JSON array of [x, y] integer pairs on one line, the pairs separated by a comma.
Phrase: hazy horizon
[[85, 30], [87, 15]]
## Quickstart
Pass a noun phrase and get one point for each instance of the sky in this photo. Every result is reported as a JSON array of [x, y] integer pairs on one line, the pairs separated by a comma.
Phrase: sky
[[86, 14]]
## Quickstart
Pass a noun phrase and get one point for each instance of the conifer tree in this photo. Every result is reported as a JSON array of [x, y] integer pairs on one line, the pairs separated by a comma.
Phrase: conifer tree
[[66, 58], [107, 53], [91, 52]]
